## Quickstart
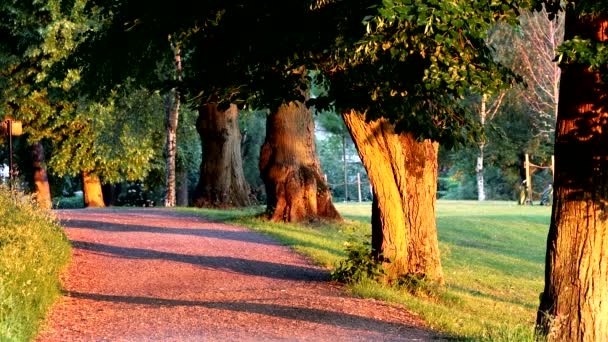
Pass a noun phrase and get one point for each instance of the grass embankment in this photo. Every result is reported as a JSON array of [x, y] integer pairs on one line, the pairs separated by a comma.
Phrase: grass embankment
[[492, 254], [33, 251]]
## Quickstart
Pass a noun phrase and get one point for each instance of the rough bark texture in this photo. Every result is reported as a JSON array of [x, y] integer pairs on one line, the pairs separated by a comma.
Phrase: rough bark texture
[[91, 187], [171, 121], [574, 304], [403, 174], [41, 180], [222, 181], [290, 168]]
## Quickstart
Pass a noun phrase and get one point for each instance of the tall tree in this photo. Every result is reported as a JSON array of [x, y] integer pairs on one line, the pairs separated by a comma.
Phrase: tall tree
[[109, 142], [290, 167], [172, 107], [574, 303], [486, 109], [401, 83], [536, 42], [404, 234], [222, 181]]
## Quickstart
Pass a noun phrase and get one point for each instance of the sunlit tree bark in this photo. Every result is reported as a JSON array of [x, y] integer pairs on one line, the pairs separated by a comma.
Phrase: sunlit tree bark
[[41, 180], [574, 303], [403, 175], [91, 188]]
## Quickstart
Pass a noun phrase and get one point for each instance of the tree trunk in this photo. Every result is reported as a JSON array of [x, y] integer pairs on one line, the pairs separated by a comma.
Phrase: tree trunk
[[574, 304], [290, 168], [403, 175], [41, 180], [171, 121], [346, 199], [110, 193], [91, 187], [222, 180], [182, 188], [481, 191], [483, 113]]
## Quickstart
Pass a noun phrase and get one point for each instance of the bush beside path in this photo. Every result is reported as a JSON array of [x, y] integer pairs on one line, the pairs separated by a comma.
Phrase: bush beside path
[[154, 274]]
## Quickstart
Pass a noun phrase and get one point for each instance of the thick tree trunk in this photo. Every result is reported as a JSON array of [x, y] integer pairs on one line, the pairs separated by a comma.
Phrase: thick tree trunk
[[182, 189], [403, 174], [574, 304], [41, 180], [91, 187], [290, 168], [110, 193], [222, 180], [171, 121]]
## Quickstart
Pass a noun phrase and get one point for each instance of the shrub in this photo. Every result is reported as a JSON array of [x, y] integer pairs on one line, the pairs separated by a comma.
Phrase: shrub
[[71, 202], [33, 251], [359, 264]]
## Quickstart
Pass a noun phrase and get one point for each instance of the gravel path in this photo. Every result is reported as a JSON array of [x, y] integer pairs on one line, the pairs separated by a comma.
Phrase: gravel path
[[153, 274]]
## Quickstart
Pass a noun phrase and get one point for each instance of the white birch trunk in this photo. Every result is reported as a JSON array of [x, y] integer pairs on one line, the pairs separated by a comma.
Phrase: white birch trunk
[[171, 121]]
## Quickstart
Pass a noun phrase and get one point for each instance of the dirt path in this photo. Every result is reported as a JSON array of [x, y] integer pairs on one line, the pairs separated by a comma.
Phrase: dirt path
[[140, 275]]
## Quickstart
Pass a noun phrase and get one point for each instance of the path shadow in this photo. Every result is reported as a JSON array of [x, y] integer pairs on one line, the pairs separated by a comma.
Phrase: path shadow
[[237, 265], [245, 236], [320, 316]]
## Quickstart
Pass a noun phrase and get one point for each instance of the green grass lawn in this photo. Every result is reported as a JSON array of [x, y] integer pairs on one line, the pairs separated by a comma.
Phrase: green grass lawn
[[492, 254]]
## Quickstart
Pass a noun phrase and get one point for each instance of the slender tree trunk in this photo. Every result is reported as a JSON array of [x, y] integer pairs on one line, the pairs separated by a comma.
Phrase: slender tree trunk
[[481, 191], [91, 187], [41, 180], [345, 168], [182, 188], [574, 304], [171, 122], [222, 180], [403, 175], [290, 168]]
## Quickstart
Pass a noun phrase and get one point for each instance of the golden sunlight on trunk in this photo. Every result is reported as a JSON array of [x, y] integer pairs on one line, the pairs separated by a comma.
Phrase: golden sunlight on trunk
[[91, 187], [403, 174]]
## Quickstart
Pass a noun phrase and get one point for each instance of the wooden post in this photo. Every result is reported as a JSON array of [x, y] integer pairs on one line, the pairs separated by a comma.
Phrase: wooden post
[[359, 186], [528, 180]]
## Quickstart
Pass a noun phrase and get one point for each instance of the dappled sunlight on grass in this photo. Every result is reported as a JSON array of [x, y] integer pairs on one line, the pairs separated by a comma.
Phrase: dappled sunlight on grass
[[492, 254]]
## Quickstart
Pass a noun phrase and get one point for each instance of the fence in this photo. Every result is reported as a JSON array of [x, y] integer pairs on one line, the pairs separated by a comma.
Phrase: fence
[[363, 189]]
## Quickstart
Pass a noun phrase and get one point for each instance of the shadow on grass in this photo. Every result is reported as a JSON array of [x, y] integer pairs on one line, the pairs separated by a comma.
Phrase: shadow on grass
[[237, 265], [495, 298], [327, 317]]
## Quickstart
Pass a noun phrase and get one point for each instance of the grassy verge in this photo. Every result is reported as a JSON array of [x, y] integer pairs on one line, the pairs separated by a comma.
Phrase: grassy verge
[[492, 254], [33, 251]]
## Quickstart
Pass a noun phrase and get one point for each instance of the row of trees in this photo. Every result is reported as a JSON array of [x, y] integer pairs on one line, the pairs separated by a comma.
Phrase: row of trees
[[398, 81]]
